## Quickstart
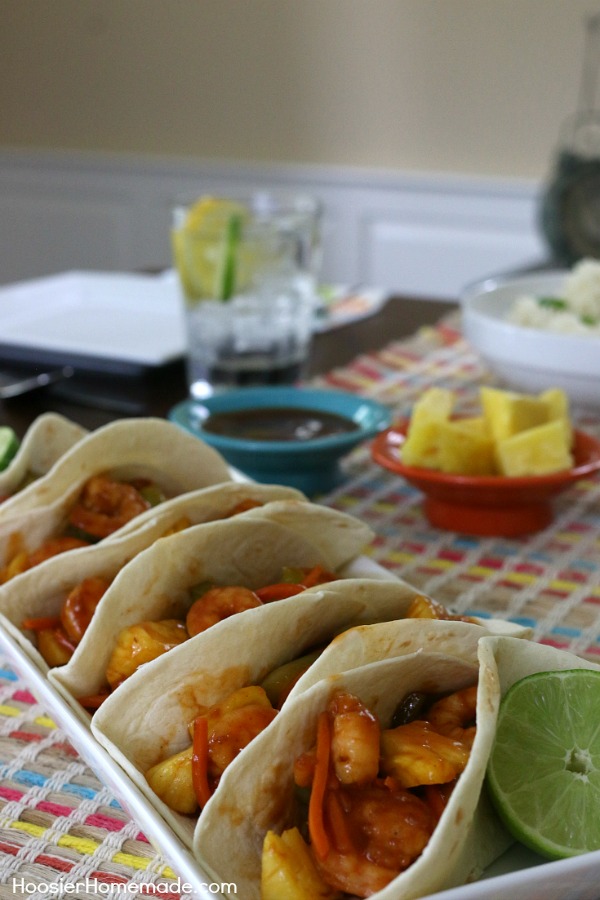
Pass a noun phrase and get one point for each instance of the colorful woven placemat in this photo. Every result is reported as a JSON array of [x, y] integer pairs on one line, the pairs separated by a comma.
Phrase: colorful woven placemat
[[60, 826], [549, 581]]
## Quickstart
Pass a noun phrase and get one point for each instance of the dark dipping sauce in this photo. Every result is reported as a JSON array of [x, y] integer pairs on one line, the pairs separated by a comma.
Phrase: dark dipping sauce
[[278, 424]]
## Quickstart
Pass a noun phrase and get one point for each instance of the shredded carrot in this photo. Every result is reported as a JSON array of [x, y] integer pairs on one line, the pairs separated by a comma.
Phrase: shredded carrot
[[338, 823], [279, 591], [40, 623], [316, 822], [200, 761], [436, 796], [317, 575]]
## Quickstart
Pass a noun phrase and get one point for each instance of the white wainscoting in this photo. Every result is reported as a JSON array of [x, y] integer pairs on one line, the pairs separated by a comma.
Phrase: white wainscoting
[[425, 235]]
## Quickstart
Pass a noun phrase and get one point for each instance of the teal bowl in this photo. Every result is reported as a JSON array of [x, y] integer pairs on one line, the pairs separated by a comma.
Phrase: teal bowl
[[311, 464]]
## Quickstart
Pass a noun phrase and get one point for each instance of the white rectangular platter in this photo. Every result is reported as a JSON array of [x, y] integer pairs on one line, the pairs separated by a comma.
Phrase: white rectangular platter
[[518, 873]]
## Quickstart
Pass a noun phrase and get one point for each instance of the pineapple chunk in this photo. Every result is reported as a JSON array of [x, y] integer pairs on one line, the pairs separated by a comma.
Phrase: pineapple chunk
[[423, 441], [484, 445], [288, 871], [141, 643], [507, 413], [537, 451], [466, 447], [172, 781], [416, 754], [557, 404]]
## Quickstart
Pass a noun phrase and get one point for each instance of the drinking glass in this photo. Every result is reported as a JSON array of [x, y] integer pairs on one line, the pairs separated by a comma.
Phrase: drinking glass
[[248, 271]]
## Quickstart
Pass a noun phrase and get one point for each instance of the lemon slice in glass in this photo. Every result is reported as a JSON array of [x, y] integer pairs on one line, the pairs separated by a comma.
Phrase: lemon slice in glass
[[205, 248], [544, 769]]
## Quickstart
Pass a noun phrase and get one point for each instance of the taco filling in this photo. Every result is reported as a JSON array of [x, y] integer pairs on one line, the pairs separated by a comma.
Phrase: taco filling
[[208, 605], [425, 748], [187, 780], [368, 798], [104, 505], [56, 637]]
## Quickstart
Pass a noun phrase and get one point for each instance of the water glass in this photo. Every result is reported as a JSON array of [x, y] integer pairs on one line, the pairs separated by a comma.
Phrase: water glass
[[248, 275]]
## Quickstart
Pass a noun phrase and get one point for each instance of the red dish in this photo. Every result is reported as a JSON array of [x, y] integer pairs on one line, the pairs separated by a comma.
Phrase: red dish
[[487, 505]]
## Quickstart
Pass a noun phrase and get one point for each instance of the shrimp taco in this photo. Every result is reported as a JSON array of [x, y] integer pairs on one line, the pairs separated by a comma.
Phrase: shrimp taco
[[238, 685], [107, 479], [194, 579], [369, 783], [49, 608], [48, 438]]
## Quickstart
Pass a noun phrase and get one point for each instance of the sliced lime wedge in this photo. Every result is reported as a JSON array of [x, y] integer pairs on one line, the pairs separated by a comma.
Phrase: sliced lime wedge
[[544, 769], [227, 271], [9, 444]]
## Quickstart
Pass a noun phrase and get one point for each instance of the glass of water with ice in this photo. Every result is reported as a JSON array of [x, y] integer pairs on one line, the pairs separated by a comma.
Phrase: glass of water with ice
[[248, 271]]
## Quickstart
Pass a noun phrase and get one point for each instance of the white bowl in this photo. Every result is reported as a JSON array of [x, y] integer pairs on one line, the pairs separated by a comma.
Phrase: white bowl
[[530, 359]]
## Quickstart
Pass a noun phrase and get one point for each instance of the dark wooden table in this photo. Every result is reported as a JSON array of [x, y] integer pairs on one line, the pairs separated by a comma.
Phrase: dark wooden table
[[104, 398]]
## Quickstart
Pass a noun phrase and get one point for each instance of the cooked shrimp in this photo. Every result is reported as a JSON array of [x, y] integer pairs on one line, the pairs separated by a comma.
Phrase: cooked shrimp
[[106, 505], [53, 547], [355, 740], [216, 604], [454, 715], [231, 729], [365, 823], [80, 604], [378, 831], [54, 646]]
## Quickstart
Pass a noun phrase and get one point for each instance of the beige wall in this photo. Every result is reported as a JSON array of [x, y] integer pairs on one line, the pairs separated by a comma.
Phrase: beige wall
[[465, 86]]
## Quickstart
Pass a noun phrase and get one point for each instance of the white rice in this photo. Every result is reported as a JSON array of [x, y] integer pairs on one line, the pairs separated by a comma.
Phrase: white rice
[[581, 294]]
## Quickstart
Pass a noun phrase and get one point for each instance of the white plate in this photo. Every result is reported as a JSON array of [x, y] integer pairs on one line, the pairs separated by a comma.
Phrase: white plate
[[343, 304], [519, 873], [98, 315], [530, 359]]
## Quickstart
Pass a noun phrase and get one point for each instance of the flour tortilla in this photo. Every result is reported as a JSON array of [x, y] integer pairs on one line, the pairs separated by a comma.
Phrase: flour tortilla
[[257, 790], [48, 438], [40, 592], [248, 550], [387, 636], [144, 447], [153, 448]]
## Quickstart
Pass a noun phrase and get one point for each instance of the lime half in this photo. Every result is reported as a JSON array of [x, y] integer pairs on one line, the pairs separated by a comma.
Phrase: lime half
[[544, 769], [9, 444]]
